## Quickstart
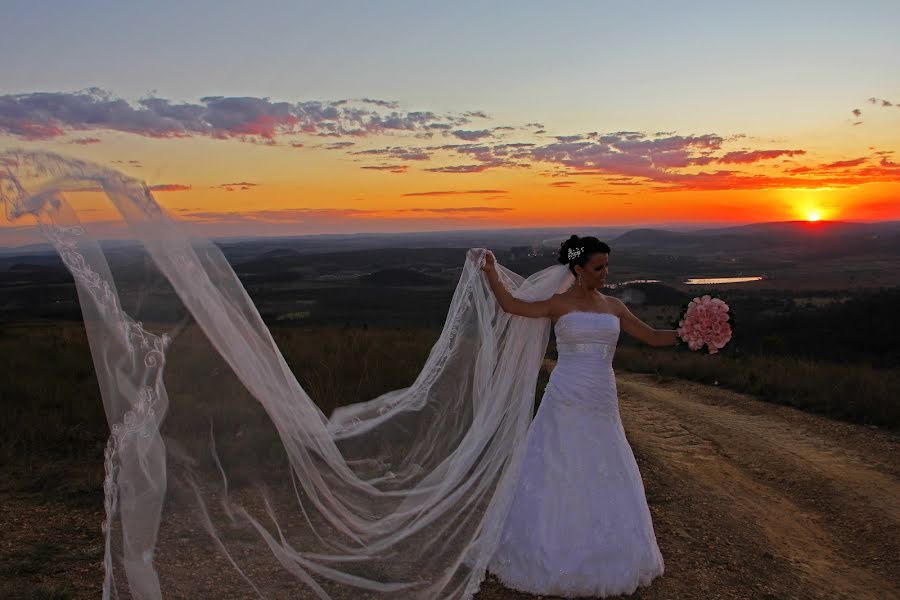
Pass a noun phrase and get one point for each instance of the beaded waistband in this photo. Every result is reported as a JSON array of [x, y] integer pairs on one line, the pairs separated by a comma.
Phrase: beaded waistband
[[592, 347]]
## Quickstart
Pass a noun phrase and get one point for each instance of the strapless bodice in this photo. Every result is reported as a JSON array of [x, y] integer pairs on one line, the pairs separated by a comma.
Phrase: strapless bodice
[[583, 377], [587, 332]]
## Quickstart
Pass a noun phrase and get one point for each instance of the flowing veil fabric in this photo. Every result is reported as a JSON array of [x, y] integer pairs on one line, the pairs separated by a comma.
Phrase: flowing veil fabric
[[223, 477]]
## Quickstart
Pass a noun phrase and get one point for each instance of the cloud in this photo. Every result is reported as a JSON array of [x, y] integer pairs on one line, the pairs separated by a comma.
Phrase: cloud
[[499, 155], [747, 157], [467, 168], [390, 168], [455, 192], [169, 187], [382, 103], [880, 102], [44, 115], [458, 209], [657, 162], [731, 180], [663, 160], [30, 129], [627, 153], [339, 145], [856, 112], [483, 153], [844, 163], [129, 163], [287, 214], [85, 141], [396, 152], [840, 164], [238, 184], [885, 167], [605, 193], [471, 136], [335, 215]]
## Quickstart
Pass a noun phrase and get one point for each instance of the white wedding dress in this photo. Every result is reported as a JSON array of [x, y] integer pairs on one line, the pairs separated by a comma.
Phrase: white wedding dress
[[579, 524]]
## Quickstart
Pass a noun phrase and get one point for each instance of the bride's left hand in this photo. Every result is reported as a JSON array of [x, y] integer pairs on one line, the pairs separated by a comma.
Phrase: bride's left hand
[[489, 262]]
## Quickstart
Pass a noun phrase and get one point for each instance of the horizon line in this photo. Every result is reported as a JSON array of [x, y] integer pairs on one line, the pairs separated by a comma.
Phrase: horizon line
[[694, 226]]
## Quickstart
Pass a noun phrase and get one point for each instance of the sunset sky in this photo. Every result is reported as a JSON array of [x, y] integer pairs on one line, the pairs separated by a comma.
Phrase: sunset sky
[[280, 118]]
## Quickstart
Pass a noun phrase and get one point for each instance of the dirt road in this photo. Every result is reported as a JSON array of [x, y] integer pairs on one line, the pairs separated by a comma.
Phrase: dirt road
[[749, 500], [755, 500]]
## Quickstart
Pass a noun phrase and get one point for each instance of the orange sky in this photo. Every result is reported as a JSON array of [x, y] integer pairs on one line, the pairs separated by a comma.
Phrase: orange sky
[[289, 183]]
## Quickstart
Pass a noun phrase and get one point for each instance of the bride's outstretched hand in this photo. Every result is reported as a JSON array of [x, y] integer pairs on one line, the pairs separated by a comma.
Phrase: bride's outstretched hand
[[489, 262]]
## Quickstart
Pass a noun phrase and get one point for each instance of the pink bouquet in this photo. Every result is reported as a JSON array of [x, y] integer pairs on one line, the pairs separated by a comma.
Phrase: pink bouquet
[[705, 322]]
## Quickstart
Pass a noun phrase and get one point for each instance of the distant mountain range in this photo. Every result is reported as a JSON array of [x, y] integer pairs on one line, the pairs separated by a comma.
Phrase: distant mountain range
[[798, 236]]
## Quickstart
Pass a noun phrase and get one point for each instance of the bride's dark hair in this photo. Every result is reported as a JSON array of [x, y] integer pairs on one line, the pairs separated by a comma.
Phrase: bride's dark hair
[[589, 245]]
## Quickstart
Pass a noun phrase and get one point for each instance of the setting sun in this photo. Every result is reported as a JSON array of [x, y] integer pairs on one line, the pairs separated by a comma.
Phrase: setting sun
[[813, 216]]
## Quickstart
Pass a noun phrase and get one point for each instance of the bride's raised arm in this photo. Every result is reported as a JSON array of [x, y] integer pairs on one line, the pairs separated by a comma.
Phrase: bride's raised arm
[[634, 327], [509, 303]]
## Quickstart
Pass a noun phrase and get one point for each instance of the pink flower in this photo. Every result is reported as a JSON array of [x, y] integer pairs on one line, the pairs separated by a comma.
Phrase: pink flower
[[705, 323]]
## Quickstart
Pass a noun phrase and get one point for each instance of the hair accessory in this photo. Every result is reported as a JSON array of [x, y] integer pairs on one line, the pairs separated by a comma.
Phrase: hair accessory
[[575, 252]]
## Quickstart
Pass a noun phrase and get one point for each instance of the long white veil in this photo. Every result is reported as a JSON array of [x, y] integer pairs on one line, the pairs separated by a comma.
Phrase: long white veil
[[223, 477]]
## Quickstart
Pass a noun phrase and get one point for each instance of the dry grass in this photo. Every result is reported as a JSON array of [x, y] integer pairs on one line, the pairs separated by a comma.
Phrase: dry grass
[[850, 392], [52, 407]]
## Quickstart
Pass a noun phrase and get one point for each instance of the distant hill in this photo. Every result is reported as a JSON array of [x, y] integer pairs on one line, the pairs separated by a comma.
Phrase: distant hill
[[796, 238], [34, 268], [806, 228], [649, 237], [31, 262], [401, 277], [280, 253], [360, 243], [49, 272], [271, 262]]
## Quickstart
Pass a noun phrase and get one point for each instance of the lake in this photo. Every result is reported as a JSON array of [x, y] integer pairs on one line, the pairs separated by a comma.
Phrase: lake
[[615, 285], [717, 280]]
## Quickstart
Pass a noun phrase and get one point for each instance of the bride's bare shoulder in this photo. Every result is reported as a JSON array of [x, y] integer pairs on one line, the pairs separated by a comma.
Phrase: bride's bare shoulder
[[559, 304], [614, 305]]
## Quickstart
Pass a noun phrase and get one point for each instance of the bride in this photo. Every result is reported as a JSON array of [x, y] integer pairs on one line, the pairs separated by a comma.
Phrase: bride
[[579, 524], [224, 478]]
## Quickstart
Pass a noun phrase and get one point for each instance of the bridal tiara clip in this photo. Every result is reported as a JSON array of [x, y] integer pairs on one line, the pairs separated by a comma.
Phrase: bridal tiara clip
[[575, 252]]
